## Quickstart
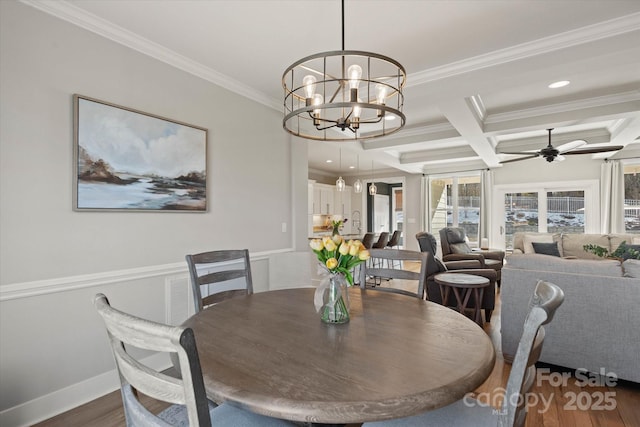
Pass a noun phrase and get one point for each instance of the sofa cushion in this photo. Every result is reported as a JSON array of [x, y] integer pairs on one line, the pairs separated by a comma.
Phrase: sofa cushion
[[631, 268], [573, 244], [616, 239], [546, 248], [601, 267]]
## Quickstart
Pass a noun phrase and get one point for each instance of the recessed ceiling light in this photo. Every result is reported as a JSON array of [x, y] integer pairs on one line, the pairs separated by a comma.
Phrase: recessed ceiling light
[[389, 117], [561, 83], [329, 161], [352, 167]]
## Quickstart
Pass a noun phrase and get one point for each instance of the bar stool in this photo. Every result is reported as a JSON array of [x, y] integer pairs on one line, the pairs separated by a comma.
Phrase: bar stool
[[394, 242], [463, 286]]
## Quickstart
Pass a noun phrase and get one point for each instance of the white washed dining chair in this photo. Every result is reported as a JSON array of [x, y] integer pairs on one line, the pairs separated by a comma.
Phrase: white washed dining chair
[[546, 298], [190, 406]]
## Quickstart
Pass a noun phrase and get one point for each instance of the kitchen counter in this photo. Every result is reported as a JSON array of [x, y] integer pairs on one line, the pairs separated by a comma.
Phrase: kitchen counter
[[346, 236]]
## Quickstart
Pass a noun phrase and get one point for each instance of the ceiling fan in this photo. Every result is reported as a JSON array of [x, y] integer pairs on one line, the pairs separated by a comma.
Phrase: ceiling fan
[[551, 153]]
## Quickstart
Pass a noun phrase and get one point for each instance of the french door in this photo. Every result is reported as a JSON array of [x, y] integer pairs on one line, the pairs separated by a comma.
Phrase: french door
[[569, 207]]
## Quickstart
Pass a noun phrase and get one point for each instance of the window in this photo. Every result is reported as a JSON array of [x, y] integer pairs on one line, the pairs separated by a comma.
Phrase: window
[[455, 202], [551, 207], [632, 198]]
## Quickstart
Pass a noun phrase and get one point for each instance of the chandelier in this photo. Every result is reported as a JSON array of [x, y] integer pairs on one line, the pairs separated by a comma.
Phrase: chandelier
[[343, 95]]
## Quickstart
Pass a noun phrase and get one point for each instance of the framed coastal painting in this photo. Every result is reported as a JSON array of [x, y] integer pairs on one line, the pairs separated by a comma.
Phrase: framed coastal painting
[[127, 160]]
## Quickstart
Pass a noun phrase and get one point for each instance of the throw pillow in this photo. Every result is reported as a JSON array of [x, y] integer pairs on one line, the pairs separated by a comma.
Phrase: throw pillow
[[538, 238], [546, 248], [460, 248], [627, 255]]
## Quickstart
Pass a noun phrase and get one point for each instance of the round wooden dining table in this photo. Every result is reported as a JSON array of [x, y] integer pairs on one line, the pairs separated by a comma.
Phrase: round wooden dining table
[[270, 353]]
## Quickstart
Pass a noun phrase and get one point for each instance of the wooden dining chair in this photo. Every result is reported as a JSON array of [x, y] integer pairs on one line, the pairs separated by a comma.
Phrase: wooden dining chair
[[546, 298], [186, 393], [215, 276], [376, 271]]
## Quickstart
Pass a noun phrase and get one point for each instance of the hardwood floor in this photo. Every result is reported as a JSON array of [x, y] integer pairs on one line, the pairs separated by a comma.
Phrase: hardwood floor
[[561, 405]]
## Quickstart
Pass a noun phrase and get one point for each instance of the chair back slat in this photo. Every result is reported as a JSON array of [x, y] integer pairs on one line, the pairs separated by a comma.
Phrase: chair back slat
[[140, 377], [546, 299], [213, 272]]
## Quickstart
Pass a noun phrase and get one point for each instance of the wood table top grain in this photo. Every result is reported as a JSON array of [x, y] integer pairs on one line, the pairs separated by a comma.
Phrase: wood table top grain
[[398, 356]]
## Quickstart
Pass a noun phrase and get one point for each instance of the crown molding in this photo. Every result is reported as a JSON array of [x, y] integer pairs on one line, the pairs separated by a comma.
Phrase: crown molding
[[77, 16], [588, 34]]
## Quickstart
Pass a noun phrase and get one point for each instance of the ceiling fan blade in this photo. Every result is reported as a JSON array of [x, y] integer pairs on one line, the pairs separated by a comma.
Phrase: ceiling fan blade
[[521, 158], [569, 146], [596, 150], [520, 153]]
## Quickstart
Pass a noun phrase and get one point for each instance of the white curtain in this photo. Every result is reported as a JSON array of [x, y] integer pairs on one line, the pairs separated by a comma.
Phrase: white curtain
[[612, 196], [486, 194]]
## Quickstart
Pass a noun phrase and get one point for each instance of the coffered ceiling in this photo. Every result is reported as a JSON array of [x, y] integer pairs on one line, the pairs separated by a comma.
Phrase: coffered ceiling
[[478, 70]]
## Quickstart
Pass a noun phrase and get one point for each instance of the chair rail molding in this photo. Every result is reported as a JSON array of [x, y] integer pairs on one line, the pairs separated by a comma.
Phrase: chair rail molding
[[50, 286]]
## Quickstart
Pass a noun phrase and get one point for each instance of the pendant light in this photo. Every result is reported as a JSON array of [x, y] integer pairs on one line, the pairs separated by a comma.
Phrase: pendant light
[[357, 186], [340, 184], [372, 187]]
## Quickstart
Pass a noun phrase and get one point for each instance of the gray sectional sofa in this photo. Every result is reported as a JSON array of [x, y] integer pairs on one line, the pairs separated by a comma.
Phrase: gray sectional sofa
[[598, 326]]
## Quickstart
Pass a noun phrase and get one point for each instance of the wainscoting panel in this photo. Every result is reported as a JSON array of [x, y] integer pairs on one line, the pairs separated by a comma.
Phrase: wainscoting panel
[[67, 343]]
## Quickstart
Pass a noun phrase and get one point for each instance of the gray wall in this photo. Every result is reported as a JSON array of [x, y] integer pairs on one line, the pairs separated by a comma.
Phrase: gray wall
[[53, 351]]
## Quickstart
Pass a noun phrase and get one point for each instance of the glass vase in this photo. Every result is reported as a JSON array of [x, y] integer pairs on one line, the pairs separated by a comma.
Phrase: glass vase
[[334, 296]]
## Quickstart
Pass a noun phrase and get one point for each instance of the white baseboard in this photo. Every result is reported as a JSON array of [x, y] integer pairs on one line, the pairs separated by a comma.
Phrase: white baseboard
[[52, 404]]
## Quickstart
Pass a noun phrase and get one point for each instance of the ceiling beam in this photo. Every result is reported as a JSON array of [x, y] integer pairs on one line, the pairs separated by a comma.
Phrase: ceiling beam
[[461, 114]]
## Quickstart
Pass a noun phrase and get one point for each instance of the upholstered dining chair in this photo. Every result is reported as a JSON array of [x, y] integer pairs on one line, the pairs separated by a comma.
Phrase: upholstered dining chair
[[546, 298], [377, 270], [186, 393], [429, 245], [453, 241], [215, 276]]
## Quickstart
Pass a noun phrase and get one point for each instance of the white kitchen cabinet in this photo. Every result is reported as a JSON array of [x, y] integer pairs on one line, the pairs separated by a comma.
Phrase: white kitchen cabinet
[[327, 200], [342, 203]]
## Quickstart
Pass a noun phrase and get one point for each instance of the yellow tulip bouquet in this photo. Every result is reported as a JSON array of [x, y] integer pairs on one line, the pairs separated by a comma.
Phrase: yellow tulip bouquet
[[339, 256]]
